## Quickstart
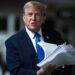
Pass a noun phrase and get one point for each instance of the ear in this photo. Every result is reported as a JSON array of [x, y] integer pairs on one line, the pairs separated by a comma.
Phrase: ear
[[23, 17], [44, 18]]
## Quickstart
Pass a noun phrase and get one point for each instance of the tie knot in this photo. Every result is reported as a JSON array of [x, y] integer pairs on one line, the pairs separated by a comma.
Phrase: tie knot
[[37, 36]]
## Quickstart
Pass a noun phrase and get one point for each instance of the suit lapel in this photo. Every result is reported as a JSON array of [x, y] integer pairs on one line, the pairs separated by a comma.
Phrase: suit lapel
[[26, 41], [28, 46]]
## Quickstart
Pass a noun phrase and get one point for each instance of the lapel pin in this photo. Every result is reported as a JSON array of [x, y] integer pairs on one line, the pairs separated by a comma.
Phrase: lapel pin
[[47, 37]]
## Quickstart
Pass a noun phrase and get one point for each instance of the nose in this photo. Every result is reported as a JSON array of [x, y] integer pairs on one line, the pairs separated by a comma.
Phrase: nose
[[33, 17]]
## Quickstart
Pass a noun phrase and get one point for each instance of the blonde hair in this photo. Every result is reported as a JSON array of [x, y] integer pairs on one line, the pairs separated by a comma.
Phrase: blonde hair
[[40, 6]]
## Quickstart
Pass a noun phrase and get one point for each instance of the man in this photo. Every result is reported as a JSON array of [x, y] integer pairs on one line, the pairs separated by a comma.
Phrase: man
[[21, 52]]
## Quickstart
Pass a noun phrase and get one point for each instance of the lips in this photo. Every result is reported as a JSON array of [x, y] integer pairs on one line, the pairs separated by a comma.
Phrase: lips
[[33, 23]]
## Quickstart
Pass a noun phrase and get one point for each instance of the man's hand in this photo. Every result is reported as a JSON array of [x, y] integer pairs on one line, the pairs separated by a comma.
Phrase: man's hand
[[46, 71], [49, 69], [41, 72]]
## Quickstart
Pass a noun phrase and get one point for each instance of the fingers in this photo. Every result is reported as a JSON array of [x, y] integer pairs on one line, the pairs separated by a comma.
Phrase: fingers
[[49, 69], [41, 72]]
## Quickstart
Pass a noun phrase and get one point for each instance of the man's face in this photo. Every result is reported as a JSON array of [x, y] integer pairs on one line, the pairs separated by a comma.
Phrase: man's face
[[33, 19]]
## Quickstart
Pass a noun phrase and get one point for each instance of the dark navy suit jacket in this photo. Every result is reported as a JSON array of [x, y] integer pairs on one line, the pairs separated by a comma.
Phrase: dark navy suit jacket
[[21, 57]]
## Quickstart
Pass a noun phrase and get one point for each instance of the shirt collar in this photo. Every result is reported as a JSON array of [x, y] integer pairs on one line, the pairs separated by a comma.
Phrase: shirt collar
[[31, 34]]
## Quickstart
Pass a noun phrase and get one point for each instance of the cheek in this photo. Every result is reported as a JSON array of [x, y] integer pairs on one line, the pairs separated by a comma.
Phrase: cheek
[[26, 20], [41, 21]]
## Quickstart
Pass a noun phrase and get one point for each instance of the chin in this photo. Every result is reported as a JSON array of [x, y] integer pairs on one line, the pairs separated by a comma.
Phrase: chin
[[34, 30]]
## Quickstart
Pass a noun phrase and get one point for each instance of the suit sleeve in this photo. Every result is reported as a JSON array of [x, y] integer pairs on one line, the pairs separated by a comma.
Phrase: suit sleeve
[[13, 61]]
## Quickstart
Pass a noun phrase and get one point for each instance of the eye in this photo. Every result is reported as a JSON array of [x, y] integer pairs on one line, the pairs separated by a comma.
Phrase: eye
[[38, 14], [29, 14]]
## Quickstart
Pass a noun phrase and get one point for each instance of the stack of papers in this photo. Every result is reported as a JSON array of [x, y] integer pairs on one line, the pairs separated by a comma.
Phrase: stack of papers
[[57, 55]]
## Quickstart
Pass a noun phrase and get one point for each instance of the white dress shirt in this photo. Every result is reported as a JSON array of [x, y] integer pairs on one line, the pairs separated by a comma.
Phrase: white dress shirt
[[32, 36]]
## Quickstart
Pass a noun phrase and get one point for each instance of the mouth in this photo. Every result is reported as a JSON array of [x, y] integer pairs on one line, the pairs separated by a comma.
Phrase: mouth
[[33, 23]]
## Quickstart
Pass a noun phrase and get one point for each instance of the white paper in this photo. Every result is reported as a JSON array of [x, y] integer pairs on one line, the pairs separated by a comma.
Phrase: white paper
[[48, 48], [58, 56]]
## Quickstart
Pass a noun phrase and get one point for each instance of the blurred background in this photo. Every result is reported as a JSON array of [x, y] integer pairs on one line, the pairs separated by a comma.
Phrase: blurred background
[[60, 16]]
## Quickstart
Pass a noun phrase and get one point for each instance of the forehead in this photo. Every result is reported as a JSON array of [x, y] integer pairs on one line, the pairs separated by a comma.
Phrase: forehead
[[33, 8]]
